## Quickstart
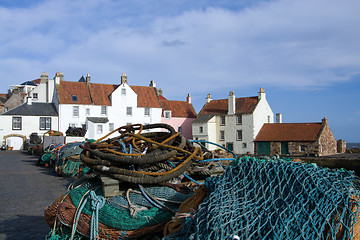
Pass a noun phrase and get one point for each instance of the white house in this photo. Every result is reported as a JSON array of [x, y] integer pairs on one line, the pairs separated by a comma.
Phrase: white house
[[233, 122], [18, 123], [102, 108]]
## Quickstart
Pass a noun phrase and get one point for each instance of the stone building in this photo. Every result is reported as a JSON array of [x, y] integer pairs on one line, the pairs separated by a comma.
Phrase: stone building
[[296, 139]]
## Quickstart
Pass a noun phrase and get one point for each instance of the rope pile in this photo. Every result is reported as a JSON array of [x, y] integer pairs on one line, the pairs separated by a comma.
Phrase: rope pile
[[148, 164], [277, 199], [130, 156]]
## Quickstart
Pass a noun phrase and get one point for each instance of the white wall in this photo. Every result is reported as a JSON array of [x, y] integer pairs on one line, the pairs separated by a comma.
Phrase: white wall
[[30, 124]]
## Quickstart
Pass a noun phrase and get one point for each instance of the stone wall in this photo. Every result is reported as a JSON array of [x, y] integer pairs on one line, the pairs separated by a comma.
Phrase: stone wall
[[303, 148], [275, 148], [327, 142], [341, 146]]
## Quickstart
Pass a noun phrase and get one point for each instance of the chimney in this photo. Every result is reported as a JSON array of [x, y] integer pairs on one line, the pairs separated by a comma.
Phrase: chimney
[[324, 121], [29, 101], [160, 92], [231, 103], [152, 83], [278, 118], [44, 77], [208, 99], [57, 78], [123, 78], [61, 75], [87, 79], [262, 94], [188, 98]]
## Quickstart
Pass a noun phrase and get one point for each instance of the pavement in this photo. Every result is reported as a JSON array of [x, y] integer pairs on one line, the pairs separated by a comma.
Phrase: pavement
[[25, 191]]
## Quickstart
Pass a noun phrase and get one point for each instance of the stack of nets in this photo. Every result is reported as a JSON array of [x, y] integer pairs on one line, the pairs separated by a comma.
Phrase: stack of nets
[[259, 199], [67, 162], [148, 166]]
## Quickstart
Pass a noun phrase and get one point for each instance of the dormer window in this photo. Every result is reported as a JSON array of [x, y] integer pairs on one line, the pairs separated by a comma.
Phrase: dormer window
[[74, 98]]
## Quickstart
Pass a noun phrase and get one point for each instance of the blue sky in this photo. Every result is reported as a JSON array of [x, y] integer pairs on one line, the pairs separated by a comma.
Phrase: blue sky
[[304, 53]]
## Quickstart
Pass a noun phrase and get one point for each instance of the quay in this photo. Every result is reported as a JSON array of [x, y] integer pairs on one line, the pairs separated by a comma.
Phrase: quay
[[25, 191]]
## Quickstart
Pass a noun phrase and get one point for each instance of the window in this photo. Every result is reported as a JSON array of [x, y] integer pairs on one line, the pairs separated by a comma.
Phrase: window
[[180, 130], [75, 111], [45, 123], [222, 135], [302, 148], [201, 129], [147, 111], [74, 98], [244, 145], [268, 119], [111, 126], [88, 112], [103, 110], [72, 125], [99, 129], [123, 91], [35, 96], [222, 120], [239, 120], [129, 111], [167, 114], [16, 123], [239, 135]]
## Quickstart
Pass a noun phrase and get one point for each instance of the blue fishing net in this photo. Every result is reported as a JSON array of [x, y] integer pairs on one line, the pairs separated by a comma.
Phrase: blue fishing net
[[256, 199]]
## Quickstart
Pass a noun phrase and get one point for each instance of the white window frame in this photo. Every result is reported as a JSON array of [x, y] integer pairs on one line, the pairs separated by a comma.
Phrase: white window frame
[[128, 111], [239, 120], [239, 138], [45, 123], [35, 96], [167, 114], [147, 112], [16, 123], [123, 91], [201, 129], [103, 110], [244, 145], [222, 135], [99, 128], [75, 111], [222, 121], [87, 111]]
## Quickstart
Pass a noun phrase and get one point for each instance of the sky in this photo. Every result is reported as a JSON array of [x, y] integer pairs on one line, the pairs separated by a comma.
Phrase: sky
[[304, 53]]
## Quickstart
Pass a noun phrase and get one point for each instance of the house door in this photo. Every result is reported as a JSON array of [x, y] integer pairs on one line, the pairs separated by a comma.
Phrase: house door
[[230, 146], [263, 148], [284, 148]]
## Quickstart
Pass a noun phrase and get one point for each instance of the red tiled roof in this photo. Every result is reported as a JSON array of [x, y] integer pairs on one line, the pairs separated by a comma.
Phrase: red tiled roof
[[146, 96], [37, 81], [100, 93], [68, 89], [179, 108], [293, 132], [161, 97], [3, 95], [242, 106]]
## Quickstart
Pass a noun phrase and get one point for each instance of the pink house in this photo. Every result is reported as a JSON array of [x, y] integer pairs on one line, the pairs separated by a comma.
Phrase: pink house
[[178, 114]]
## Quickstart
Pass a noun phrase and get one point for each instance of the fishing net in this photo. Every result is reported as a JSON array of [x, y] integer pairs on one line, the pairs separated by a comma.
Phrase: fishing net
[[277, 200]]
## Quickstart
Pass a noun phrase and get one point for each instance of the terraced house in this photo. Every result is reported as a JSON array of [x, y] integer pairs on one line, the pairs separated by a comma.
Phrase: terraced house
[[100, 108]]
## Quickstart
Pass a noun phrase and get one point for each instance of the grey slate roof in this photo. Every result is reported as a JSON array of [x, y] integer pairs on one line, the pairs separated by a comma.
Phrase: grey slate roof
[[30, 83], [35, 109], [204, 118], [98, 119]]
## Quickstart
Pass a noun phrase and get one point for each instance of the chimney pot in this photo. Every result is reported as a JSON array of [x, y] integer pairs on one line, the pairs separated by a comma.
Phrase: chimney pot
[[123, 78], [188, 98], [208, 99]]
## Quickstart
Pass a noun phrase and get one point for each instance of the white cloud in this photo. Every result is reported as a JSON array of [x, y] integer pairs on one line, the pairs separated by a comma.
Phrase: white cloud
[[299, 43]]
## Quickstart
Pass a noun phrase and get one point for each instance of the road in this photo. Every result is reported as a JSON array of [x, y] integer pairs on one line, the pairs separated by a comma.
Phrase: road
[[25, 191]]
